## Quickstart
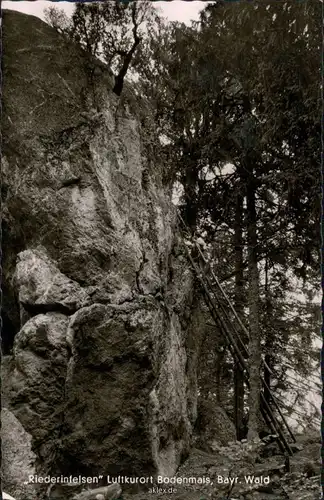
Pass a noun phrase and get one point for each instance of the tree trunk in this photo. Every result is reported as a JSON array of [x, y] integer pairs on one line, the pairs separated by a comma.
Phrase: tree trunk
[[190, 196], [219, 366], [267, 379], [254, 344], [119, 79], [239, 306], [268, 343]]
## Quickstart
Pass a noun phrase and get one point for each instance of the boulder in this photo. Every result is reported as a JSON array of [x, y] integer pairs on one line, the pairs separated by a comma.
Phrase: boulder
[[214, 427], [5, 496], [42, 287], [111, 492], [67, 491], [18, 459], [37, 380], [103, 379], [308, 460]]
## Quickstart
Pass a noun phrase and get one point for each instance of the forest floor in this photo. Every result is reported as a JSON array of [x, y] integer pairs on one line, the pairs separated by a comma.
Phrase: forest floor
[[272, 478]]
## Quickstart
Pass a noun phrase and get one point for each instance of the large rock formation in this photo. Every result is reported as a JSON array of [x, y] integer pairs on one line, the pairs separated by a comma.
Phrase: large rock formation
[[95, 285]]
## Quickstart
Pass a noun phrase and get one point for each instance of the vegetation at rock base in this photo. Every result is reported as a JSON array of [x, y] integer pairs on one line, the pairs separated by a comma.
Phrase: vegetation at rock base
[[244, 459]]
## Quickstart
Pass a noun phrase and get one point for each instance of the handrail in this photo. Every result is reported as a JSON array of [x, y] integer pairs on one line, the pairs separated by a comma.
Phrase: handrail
[[222, 291], [235, 340]]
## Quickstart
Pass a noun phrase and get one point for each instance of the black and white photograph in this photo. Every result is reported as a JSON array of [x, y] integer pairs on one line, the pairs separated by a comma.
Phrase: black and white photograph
[[161, 250]]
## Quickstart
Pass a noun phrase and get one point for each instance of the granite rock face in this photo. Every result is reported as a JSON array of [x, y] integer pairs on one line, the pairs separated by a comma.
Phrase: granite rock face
[[38, 378], [42, 287], [214, 427], [17, 457], [95, 282]]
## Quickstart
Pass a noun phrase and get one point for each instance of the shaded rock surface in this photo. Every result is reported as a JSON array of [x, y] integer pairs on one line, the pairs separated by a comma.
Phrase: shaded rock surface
[[17, 457], [37, 379], [213, 426], [95, 282]]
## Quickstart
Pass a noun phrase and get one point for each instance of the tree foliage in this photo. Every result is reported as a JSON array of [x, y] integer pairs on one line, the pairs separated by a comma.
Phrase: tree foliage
[[111, 31]]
